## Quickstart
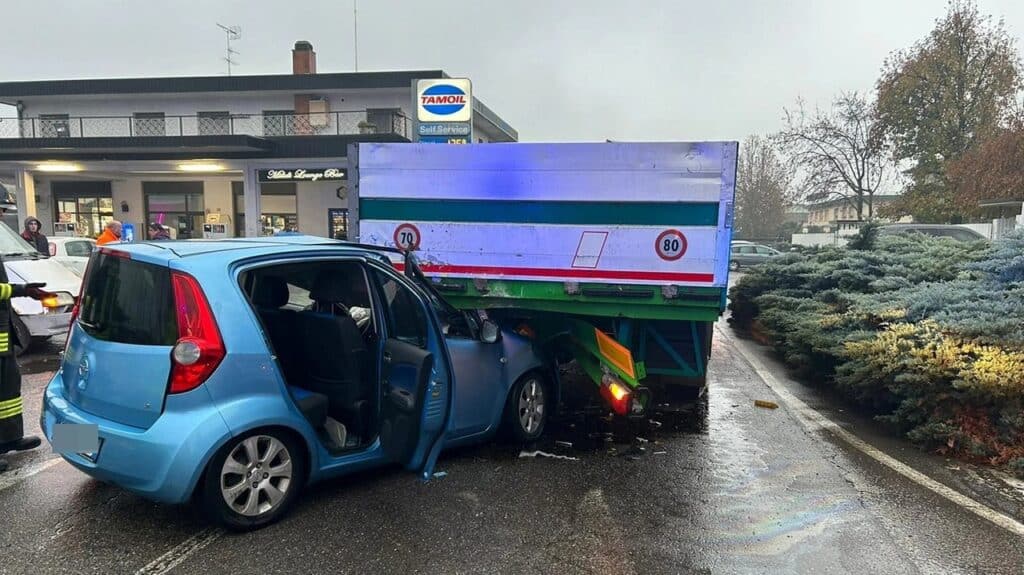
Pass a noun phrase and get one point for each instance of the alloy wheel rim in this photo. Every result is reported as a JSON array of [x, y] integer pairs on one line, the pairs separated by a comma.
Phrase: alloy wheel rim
[[256, 475], [531, 406]]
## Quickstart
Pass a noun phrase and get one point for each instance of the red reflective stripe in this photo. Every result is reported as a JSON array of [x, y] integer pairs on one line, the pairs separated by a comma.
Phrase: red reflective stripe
[[565, 273]]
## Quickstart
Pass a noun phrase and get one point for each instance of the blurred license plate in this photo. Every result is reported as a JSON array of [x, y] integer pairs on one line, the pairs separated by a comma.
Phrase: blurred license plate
[[76, 438]]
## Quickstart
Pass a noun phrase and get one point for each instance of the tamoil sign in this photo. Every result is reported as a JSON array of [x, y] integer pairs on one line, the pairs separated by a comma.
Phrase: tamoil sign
[[447, 100], [444, 110]]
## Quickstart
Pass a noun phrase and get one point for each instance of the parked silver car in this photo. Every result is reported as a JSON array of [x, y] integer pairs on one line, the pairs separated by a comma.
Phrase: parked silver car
[[748, 254]]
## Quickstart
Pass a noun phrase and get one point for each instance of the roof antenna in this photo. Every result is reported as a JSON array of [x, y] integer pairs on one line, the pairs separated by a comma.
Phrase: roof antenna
[[231, 34]]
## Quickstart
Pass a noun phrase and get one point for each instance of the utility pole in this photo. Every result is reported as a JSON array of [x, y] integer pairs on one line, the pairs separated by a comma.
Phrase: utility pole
[[231, 33], [355, 31]]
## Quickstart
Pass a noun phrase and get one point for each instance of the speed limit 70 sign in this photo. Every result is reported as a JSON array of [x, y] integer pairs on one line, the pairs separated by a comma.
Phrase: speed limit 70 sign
[[670, 245], [407, 237]]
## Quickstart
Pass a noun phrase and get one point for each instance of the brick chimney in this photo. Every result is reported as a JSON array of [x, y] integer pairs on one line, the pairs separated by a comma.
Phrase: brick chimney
[[303, 58]]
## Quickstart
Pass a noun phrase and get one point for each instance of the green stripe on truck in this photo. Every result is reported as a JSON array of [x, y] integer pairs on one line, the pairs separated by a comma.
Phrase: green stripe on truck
[[536, 212]]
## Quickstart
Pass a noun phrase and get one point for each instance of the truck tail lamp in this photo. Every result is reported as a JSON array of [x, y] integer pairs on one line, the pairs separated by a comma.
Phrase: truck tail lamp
[[620, 397]]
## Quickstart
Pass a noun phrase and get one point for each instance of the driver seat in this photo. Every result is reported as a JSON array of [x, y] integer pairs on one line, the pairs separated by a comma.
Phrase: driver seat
[[332, 349]]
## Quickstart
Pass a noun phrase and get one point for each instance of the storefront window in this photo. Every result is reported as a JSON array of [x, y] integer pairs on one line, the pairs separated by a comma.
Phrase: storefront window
[[278, 202], [177, 205], [87, 204]]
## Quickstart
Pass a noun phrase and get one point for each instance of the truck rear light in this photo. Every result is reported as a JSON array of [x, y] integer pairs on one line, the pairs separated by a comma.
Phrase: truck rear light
[[199, 349], [617, 395]]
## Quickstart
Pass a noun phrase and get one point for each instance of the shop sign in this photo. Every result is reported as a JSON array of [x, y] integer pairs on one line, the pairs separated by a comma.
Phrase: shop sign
[[302, 175], [449, 129]]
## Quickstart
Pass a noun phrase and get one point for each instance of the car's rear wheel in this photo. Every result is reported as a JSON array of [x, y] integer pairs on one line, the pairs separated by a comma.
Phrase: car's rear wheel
[[527, 408], [22, 334], [734, 265], [253, 480]]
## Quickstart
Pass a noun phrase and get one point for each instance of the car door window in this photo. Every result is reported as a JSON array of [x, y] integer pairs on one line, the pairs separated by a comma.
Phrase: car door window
[[78, 249], [747, 250], [406, 319], [763, 251]]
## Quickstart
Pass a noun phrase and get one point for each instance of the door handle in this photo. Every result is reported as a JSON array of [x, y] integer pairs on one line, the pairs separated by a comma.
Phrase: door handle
[[387, 357]]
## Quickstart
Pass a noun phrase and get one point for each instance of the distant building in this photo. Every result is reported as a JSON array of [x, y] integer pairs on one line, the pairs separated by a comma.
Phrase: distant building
[[797, 214], [830, 213], [251, 154]]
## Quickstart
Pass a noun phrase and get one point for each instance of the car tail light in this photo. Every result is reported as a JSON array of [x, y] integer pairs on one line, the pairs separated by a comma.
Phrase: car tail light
[[53, 249], [199, 349]]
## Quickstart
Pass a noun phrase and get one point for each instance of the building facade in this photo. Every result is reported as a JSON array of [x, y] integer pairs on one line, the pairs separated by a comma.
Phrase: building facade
[[832, 213], [250, 155]]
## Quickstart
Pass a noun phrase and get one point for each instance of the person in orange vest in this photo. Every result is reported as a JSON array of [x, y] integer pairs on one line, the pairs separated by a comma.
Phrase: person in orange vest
[[112, 233], [12, 431]]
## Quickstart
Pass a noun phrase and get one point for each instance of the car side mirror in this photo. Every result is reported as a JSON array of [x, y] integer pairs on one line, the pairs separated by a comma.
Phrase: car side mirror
[[489, 332]]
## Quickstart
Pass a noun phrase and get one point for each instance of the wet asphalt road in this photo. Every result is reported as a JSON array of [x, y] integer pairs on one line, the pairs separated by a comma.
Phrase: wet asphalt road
[[724, 488]]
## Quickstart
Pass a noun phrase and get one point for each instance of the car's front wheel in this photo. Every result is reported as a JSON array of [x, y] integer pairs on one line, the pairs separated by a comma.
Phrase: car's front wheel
[[253, 480], [526, 411], [734, 265]]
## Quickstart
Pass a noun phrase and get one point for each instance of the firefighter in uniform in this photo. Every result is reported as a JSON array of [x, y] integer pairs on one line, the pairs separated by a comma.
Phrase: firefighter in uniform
[[12, 436]]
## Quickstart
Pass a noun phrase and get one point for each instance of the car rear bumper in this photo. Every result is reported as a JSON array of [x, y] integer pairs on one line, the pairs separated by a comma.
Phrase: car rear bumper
[[162, 463], [47, 324]]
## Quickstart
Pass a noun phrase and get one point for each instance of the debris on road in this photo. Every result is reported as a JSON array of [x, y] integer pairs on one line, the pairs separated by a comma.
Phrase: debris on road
[[641, 440], [566, 444], [539, 453], [654, 424], [660, 453], [766, 404], [440, 474]]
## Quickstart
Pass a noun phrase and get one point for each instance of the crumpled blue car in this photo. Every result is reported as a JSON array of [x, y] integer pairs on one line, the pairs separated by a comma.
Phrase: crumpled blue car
[[238, 371]]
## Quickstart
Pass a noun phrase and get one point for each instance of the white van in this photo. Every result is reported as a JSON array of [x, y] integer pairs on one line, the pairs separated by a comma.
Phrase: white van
[[34, 320]]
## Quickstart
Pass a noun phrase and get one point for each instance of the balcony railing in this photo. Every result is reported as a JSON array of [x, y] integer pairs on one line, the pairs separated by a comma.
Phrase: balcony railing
[[150, 125]]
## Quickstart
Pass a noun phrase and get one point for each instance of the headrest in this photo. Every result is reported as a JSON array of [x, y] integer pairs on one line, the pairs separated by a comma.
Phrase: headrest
[[270, 292], [345, 286]]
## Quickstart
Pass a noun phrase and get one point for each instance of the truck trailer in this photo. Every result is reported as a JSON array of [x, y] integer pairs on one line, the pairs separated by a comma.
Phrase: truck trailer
[[612, 254]]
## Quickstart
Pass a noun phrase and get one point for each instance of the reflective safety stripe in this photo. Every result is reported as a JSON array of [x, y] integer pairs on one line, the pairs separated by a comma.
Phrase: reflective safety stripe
[[10, 408], [5, 291]]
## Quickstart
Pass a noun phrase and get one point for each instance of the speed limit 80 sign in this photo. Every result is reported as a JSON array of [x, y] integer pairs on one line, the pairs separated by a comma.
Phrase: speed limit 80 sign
[[407, 237], [670, 245]]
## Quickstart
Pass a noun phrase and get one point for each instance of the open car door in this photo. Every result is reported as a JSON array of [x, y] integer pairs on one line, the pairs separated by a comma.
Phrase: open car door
[[416, 379]]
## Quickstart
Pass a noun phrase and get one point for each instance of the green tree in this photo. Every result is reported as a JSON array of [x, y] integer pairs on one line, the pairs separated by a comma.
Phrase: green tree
[[936, 99], [762, 189]]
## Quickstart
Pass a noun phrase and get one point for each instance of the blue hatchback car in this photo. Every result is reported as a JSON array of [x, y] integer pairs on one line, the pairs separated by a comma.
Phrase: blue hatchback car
[[238, 371]]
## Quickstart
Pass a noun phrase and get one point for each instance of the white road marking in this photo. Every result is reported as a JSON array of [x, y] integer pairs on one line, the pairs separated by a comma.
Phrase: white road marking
[[181, 552], [814, 420], [16, 475]]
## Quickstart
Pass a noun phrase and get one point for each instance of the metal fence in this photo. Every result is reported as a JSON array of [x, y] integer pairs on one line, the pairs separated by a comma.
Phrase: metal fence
[[150, 125]]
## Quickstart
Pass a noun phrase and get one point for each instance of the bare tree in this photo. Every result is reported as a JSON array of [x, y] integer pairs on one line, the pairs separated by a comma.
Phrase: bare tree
[[838, 153], [762, 189]]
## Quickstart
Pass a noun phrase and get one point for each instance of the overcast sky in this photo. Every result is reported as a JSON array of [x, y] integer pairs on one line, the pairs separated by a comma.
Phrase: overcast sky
[[556, 70]]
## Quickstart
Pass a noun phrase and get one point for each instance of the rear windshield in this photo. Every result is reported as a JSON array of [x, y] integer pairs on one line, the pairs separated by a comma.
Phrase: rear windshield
[[128, 302]]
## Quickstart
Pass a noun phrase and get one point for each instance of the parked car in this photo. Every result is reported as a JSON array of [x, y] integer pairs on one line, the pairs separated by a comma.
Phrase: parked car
[[37, 320], [747, 254], [72, 252], [241, 370], [958, 233]]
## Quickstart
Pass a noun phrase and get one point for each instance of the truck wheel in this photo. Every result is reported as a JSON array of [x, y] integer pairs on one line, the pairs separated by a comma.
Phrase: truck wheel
[[526, 411], [733, 266], [253, 480], [21, 334]]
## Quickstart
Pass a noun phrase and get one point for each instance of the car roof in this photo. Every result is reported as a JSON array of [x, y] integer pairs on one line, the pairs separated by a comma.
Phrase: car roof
[[62, 239], [237, 248]]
